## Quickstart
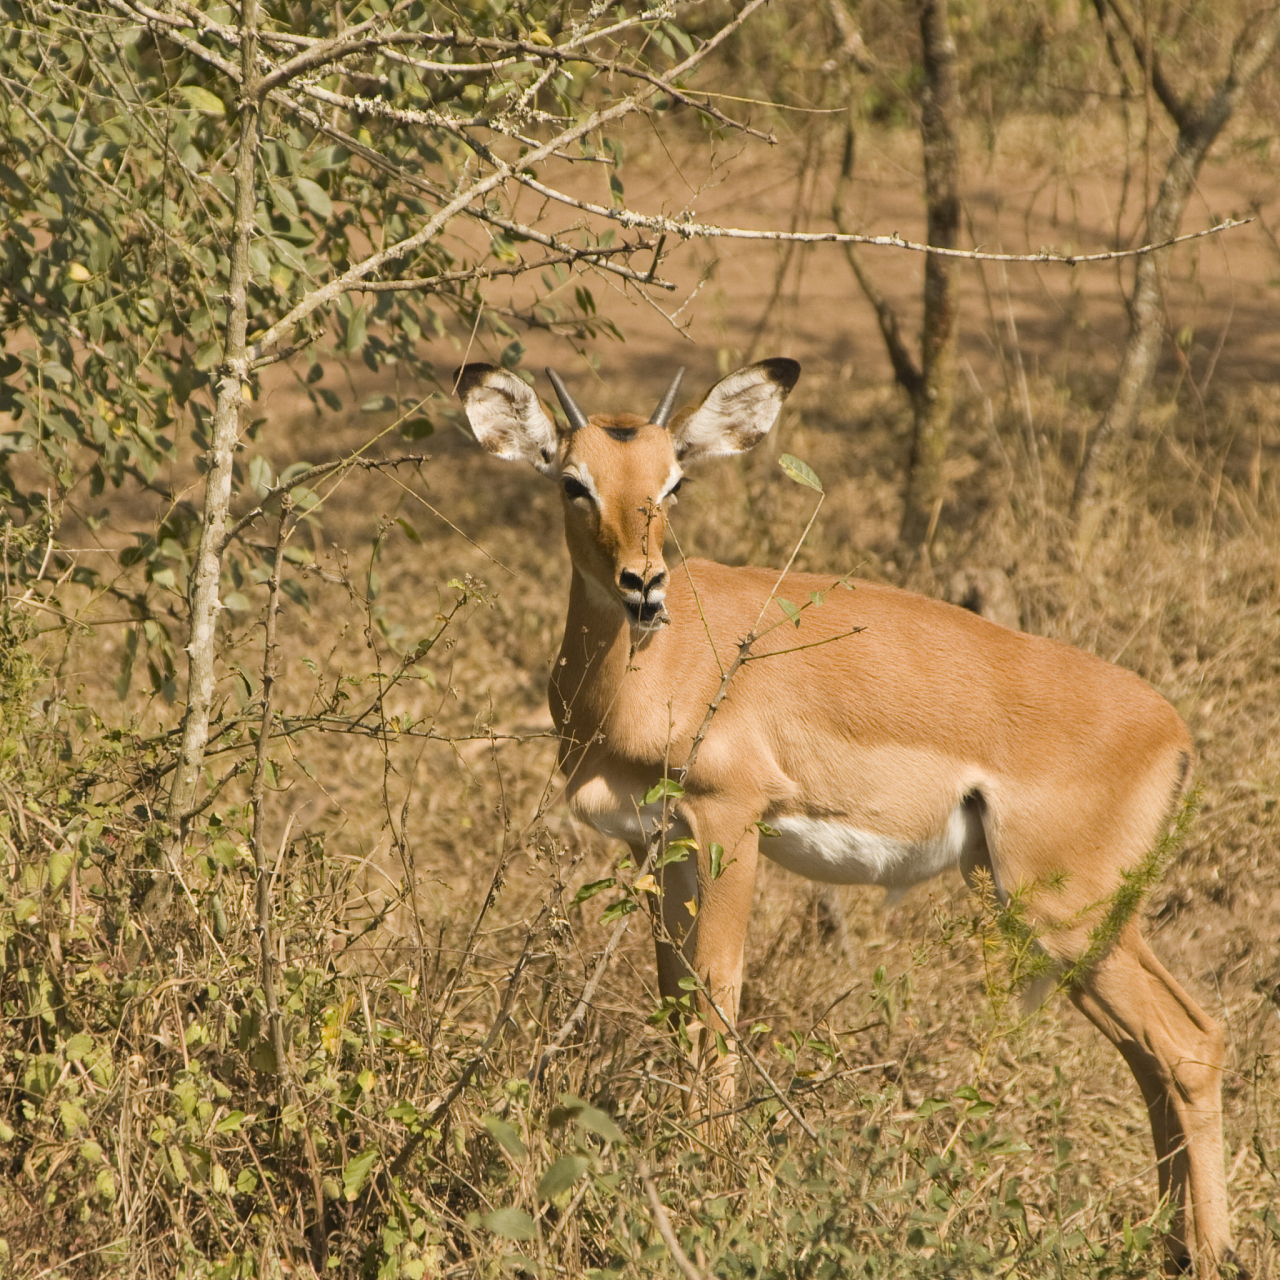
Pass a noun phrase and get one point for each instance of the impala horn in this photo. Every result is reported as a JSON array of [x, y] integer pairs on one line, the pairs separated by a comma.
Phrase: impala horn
[[577, 419], [662, 414]]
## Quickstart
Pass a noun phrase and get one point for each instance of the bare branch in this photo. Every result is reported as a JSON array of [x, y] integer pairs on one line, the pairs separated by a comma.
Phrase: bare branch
[[519, 231], [329, 292], [1149, 60], [690, 230], [315, 473], [168, 26], [1197, 131]]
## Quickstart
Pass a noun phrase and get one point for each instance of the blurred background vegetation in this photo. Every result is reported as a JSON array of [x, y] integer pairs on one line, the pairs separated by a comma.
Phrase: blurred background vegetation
[[295, 934]]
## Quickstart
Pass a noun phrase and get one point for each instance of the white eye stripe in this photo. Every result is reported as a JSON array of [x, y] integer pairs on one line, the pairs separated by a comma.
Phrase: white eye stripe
[[674, 476], [582, 476]]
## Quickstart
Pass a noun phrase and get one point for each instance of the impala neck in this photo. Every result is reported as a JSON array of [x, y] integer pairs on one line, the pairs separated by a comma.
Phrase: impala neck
[[594, 655], [596, 616]]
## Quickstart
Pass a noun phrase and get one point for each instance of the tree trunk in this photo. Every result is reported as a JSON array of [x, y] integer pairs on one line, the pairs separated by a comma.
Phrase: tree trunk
[[932, 405], [205, 604], [205, 574], [930, 383], [905, 372], [1198, 129]]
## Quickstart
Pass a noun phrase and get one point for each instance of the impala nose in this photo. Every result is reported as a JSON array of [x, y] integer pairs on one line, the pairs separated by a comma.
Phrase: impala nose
[[644, 599]]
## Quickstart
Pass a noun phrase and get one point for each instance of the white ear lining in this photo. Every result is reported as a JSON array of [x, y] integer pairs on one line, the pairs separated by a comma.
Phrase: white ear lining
[[509, 421], [737, 412]]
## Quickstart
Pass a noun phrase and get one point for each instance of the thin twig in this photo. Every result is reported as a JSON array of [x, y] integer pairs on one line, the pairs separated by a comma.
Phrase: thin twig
[[321, 470], [441, 1109], [584, 1000], [265, 878], [663, 1223]]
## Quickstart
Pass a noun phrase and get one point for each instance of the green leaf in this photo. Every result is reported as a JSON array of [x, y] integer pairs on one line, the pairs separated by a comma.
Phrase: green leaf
[[208, 356], [510, 1224], [296, 592], [663, 787], [60, 861], [677, 851], [261, 475], [202, 100], [417, 428], [623, 907], [679, 35], [561, 1176], [506, 1136], [230, 1123], [315, 197], [224, 853], [357, 329], [789, 609], [590, 890], [357, 1171], [73, 1117], [800, 472], [717, 860], [590, 1118], [79, 1046]]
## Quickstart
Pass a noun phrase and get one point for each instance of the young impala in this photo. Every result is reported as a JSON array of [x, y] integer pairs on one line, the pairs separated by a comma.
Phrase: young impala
[[888, 737]]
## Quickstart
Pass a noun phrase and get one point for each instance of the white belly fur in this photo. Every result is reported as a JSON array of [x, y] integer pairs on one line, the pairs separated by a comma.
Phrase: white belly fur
[[834, 852], [823, 849]]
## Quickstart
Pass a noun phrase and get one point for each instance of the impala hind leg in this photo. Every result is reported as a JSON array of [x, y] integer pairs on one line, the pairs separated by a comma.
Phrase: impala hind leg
[[1175, 1051]]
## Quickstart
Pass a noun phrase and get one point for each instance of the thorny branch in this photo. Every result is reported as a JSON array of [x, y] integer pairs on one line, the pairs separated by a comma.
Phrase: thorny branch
[[374, 37]]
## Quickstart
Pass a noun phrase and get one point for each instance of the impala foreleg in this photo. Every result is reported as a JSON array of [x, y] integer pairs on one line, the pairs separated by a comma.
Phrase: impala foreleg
[[1175, 1051], [726, 887], [675, 925]]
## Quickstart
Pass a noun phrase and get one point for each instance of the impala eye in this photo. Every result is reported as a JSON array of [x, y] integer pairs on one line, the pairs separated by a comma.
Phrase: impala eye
[[675, 488], [575, 488]]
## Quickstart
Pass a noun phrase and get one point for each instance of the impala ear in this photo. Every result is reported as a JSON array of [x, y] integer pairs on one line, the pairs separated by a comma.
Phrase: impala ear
[[506, 416], [736, 414]]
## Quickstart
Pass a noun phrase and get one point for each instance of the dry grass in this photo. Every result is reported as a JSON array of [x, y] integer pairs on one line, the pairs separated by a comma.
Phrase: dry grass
[[422, 872], [1180, 583]]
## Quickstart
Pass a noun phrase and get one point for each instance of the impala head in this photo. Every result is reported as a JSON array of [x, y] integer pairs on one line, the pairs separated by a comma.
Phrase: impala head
[[619, 473]]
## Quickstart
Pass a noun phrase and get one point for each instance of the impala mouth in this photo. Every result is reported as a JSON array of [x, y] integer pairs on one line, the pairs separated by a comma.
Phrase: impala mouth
[[649, 616]]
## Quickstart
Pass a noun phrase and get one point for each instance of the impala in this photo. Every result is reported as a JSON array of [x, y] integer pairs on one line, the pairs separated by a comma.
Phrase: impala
[[878, 737]]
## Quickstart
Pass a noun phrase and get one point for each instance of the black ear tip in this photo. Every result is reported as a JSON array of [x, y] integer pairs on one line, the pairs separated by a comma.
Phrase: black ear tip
[[469, 375], [782, 371]]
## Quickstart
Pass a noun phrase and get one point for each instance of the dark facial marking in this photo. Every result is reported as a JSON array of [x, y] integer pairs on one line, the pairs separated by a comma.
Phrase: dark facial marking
[[621, 433]]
